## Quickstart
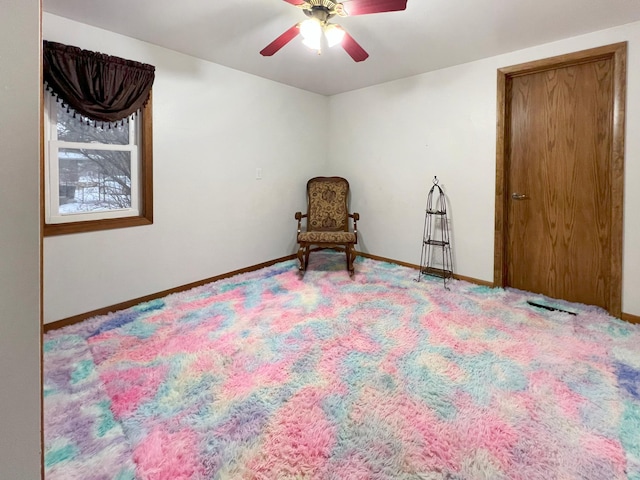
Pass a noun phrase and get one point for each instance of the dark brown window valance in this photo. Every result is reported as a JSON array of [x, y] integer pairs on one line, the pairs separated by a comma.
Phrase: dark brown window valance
[[98, 86]]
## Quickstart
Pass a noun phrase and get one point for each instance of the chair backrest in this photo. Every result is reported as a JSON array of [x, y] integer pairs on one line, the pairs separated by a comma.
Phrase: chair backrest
[[327, 198]]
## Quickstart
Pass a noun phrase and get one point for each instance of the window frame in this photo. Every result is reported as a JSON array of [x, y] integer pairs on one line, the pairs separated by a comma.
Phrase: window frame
[[145, 174]]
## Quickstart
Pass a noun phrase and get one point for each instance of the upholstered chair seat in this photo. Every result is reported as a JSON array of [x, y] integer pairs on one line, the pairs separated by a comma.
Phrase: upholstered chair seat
[[327, 237]]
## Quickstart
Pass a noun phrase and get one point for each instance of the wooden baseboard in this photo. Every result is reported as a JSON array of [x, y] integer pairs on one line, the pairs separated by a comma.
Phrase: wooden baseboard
[[627, 317], [147, 298], [124, 305], [417, 267]]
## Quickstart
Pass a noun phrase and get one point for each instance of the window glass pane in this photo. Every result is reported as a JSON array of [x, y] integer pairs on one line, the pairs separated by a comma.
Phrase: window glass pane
[[93, 180], [77, 130]]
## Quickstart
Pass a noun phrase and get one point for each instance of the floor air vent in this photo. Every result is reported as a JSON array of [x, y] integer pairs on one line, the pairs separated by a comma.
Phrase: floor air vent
[[547, 307]]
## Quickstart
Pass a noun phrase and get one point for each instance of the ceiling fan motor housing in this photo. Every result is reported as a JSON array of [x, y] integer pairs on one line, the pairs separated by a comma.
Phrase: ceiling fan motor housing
[[320, 13], [319, 9], [328, 4]]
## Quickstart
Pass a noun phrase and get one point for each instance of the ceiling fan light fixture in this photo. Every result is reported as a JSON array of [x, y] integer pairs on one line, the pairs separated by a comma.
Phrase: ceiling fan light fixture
[[311, 30], [334, 35]]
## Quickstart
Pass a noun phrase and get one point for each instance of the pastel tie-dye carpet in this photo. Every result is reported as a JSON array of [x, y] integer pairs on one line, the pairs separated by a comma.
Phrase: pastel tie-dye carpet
[[267, 376]]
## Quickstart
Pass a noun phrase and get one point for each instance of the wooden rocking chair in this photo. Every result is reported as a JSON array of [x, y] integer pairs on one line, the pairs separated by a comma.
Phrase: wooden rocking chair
[[327, 220]]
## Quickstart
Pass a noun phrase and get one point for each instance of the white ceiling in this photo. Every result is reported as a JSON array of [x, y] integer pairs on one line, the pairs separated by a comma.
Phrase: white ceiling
[[428, 35]]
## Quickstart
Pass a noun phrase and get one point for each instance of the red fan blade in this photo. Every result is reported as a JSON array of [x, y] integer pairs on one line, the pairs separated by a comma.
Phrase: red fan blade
[[295, 2], [363, 7], [281, 41], [353, 48]]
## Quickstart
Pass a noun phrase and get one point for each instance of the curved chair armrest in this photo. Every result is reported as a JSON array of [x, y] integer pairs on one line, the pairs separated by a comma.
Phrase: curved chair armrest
[[299, 216], [356, 217]]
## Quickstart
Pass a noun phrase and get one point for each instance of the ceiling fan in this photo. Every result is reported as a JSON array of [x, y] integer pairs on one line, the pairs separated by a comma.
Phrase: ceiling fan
[[319, 13]]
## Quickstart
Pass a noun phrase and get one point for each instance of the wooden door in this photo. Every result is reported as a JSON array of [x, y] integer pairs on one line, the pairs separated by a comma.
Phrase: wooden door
[[559, 236]]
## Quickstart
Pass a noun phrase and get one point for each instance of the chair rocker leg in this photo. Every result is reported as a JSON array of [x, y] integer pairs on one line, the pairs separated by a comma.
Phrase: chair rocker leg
[[350, 258], [302, 267]]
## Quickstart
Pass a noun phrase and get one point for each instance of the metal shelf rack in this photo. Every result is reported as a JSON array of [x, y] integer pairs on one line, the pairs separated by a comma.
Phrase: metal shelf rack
[[435, 237]]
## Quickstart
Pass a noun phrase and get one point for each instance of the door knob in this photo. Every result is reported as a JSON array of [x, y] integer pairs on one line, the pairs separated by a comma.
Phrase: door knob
[[519, 196]]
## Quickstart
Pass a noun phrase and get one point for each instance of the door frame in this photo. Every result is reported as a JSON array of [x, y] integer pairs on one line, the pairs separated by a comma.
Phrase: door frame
[[617, 53]]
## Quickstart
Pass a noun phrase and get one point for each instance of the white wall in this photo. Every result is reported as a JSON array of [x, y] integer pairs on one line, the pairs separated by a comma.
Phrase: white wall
[[19, 239], [212, 126], [390, 140]]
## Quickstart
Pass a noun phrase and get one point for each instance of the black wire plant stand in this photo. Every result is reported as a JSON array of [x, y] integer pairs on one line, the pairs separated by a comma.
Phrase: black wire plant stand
[[435, 237]]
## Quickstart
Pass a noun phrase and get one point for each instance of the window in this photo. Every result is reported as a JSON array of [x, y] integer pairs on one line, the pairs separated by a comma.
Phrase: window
[[97, 176]]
